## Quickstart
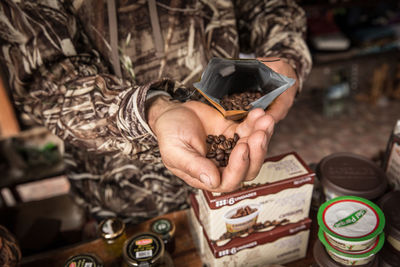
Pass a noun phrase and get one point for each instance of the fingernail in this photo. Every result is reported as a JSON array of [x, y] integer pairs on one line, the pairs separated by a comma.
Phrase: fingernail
[[205, 179]]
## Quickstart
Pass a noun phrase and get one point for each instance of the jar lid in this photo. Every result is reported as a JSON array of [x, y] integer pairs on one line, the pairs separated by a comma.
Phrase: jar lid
[[350, 174], [111, 228], [143, 248], [389, 204], [324, 260], [373, 250], [85, 259], [163, 227], [351, 218]]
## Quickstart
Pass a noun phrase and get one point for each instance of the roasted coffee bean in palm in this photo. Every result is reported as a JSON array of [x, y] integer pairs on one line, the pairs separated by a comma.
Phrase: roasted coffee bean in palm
[[220, 147]]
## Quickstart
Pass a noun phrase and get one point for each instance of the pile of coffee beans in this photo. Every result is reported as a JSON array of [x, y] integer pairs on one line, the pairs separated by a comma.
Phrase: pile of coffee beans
[[239, 101], [244, 211], [219, 148]]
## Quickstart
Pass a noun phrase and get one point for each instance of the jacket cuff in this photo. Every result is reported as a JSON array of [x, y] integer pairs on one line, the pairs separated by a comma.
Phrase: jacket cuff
[[132, 116]]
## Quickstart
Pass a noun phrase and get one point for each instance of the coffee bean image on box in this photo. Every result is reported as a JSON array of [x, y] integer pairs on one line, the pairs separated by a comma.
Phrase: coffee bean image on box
[[243, 212], [219, 148], [256, 228]]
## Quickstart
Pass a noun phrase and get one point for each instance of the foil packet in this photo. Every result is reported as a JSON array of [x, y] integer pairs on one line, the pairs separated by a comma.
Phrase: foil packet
[[225, 77]]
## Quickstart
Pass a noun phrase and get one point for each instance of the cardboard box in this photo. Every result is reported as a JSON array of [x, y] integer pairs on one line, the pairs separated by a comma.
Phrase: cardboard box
[[279, 195], [392, 158], [281, 245]]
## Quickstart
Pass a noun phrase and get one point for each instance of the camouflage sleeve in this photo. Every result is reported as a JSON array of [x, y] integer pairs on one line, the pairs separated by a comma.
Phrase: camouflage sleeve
[[274, 28], [59, 80]]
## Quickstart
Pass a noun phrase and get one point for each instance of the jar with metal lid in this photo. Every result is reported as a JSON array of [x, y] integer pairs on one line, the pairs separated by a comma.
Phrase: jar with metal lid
[[146, 249], [85, 259], [348, 174], [165, 228], [112, 230]]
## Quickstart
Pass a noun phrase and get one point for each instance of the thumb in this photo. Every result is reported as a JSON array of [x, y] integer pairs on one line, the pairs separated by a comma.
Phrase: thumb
[[192, 167]]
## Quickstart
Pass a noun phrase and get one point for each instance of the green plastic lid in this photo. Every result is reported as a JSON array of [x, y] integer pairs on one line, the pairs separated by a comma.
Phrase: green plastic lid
[[351, 218], [373, 250]]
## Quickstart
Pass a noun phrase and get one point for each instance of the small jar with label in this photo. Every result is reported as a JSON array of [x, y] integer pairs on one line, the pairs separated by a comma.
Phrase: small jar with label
[[112, 230], [85, 259], [349, 174], [165, 228], [146, 249]]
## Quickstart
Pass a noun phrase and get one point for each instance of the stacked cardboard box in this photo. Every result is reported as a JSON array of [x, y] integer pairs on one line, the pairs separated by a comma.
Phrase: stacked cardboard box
[[265, 222]]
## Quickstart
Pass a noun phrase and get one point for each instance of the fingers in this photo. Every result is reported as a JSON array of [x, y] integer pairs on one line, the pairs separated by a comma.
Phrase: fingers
[[257, 143], [236, 170], [196, 182], [247, 126], [265, 123], [262, 126], [195, 169]]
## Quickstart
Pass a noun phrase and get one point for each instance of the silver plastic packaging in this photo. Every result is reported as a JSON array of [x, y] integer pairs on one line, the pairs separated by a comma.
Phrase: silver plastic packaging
[[229, 76]]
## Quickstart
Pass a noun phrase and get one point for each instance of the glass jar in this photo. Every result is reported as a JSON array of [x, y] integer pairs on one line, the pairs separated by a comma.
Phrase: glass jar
[[86, 259], [165, 228], [112, 230], [146, 249]]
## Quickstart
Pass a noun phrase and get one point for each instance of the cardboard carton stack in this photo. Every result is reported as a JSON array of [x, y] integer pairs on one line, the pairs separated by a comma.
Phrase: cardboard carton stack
[[264, 222]]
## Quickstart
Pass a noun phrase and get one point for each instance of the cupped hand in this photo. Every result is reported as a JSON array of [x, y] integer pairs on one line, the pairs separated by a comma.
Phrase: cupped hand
[[182, 129]]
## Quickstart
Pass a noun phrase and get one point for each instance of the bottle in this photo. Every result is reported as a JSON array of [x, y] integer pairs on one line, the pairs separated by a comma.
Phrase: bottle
[[165, 228], [112, 230], [85, 259], [146, 249]]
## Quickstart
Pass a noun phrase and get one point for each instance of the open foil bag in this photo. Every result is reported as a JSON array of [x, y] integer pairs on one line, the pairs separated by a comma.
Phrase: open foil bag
[[230, 76]]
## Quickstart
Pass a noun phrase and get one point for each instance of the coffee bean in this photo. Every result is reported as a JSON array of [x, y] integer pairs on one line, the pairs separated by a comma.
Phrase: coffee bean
[[220, 156], [236, 137], [226, 145], [211, 154], [219, 151], [220, 147], [214, 147], [239, 101], [248, 107]]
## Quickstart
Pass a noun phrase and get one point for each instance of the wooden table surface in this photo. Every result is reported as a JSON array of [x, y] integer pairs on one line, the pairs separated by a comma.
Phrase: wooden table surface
[[185, 253]]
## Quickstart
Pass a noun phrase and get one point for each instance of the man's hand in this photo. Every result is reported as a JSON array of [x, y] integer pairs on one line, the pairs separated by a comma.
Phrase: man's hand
[[281, 105], [181, 130]]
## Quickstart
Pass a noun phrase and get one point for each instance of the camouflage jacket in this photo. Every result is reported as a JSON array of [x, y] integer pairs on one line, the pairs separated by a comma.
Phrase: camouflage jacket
[[70, 70]]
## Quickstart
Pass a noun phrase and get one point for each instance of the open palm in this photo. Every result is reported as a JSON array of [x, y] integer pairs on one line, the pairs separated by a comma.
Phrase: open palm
[[182, 130]]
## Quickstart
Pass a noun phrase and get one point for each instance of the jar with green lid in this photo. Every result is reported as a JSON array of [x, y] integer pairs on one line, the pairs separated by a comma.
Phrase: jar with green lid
[[112, 230], [347, 257], [165, 228], [85, 259], [146, 249], [351, 223]]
